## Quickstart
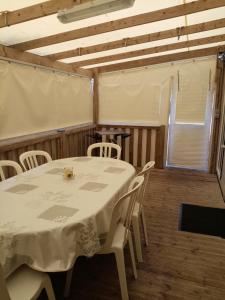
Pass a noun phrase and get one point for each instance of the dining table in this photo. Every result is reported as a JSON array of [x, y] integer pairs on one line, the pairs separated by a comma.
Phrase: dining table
[[48, 220]]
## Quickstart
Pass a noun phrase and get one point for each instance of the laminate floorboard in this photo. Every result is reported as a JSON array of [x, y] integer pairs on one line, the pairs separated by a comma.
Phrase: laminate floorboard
[[177, 265]]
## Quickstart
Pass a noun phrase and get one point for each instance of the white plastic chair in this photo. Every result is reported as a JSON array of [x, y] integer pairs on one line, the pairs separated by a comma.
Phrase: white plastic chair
[[25, 284], [105, 149], [119, 233], [9, 163], [118, 236], [138, 212], [29, 159]]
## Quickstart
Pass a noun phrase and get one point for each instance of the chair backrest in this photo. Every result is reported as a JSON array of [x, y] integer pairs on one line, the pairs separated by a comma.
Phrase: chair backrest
[[4, 295], [29, 159], [9, 163], [126, 201], [145, 172], [105, 149]]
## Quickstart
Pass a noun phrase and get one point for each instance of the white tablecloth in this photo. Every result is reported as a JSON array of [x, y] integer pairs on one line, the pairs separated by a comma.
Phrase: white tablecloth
[[47, 221]]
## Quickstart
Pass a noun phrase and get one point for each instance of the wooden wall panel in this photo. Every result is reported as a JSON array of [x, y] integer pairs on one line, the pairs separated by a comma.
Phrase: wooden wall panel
[[144, 144], [159, 147], [217, 118], [73, 141]]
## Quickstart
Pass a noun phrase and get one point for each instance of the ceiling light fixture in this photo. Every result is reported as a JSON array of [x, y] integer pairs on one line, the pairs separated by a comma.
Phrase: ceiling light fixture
[[91, 9]]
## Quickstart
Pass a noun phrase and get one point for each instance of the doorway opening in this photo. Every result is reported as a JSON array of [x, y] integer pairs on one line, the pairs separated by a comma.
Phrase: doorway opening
[[190, 118]]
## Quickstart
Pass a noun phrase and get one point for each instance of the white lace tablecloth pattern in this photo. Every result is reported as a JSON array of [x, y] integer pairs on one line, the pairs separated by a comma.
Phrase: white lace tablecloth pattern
[[47, 221]]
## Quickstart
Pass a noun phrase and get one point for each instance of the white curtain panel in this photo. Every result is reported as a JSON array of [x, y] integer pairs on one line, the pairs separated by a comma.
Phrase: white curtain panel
[[34, 100]]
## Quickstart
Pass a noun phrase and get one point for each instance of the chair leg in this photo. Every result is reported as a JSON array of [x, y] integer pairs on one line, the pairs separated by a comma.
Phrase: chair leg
[[49, 289], [137, 238], [121, 272], [132, 255], [69, 276], [144, 226]]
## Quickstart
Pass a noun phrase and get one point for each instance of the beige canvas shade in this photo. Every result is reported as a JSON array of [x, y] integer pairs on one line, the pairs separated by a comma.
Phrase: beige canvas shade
[[142, 96], [41, 100]]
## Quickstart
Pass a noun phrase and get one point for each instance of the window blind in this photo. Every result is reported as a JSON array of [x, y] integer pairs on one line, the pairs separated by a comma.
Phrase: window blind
[[194, 81]]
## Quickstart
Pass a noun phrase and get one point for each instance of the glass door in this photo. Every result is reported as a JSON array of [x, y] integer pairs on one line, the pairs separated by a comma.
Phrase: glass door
[[190, 118]]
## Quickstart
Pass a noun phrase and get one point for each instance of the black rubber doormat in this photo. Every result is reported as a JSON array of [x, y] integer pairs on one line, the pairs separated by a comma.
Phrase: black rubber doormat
[[202, 219]]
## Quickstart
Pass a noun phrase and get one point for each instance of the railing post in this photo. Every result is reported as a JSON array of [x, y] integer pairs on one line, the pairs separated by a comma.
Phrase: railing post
[[159, 149], [95, 98]]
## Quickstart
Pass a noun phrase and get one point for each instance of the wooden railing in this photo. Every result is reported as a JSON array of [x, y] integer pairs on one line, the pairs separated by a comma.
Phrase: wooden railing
[[144, 144], [68, 142]]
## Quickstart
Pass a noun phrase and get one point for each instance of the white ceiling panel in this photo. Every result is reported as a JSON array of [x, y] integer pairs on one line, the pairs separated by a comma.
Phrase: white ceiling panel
[[137, 58], [124, 50], [206, 16], [17, 4], [207, 33], [50, 25], [111, 36], [207, 46]]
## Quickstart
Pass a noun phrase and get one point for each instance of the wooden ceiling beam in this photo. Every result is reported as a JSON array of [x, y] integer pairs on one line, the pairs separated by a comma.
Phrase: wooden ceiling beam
[[160, 59], [146, 38], [10, 53], [163, 48], [8, 18], [154, 16]]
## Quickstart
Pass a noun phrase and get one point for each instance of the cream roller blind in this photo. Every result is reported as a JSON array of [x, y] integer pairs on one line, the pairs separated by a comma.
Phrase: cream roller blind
[[34, 100], [143, 95], [194, 82], [136, 96]]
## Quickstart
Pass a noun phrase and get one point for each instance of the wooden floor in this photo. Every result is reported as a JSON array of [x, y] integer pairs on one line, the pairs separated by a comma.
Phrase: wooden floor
[[177, 265]]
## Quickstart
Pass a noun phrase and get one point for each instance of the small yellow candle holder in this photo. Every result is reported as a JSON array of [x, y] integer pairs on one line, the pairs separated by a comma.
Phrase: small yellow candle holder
[[68, 173]]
